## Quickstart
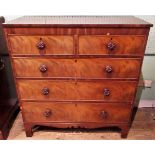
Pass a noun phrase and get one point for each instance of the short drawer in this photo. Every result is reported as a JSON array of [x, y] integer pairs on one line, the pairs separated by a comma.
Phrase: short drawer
[[99, 68], [112, 44], [41, 45], [94, 68], [121, 91], [36, 67], [75, 112]]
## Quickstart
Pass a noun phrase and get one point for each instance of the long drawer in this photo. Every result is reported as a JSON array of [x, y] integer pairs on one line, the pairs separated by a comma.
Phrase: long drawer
[[80, 68], [76, 90], [112, 44], [79, 112], [41, 45]]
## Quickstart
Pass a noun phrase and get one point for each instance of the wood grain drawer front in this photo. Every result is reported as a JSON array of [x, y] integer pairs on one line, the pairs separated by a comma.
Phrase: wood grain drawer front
[[108, 68], [67, 90], [71, 112], [113, 44], [44, 67], [40, 45], [95, 68]]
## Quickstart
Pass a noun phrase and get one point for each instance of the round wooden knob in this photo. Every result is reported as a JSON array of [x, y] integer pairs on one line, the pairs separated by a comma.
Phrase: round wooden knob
[[45, 91], [43, 68], [41, 45], [111, 46], [108, 69], [106, 92], [47, 113], [104, 114]]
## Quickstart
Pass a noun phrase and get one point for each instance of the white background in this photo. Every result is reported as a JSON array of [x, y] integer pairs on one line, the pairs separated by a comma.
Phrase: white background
[[77, 7]]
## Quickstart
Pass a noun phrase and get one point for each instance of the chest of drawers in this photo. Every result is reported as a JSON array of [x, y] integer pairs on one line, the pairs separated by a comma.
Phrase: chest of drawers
[[79, 72]]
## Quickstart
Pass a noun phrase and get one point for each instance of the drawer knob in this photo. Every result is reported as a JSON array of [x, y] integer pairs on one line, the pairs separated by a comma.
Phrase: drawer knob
[[45, 91], [41, 45], [111, 46], [104, 114], [47, 113], [108, 69], [43, 68], [106, 92]]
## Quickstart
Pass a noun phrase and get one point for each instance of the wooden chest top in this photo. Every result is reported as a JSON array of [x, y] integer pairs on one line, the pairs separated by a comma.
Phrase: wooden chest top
[[77, 21]]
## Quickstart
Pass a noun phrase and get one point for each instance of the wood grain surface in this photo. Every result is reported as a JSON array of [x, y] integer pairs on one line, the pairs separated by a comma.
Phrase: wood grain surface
[[69, 90], [53, 44], [94, 68], [76, 31], [74, 21], [133, 45], [54, 67], [69, 112]]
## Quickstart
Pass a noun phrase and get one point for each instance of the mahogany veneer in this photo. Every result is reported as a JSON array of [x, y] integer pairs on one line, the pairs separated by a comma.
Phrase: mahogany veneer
[[81, 68], [53, 44], [98, 44], [81, 90], [89, 112], [73, 71]]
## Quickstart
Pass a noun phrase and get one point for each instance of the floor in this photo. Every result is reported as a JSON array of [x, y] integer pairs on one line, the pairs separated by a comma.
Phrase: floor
[[143, 128]]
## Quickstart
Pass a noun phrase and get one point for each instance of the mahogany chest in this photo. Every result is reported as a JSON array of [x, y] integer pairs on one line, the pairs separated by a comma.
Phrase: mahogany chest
[[77, 71]]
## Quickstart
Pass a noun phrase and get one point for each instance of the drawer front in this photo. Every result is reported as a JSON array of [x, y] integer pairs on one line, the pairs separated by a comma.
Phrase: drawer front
[[80, 68], [108, 68], [35, 67], [67, 90], [40, 45], [79, 112], [113, 45]]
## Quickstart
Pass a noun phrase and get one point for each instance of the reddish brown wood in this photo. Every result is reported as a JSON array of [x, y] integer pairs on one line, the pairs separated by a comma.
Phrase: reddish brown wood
[[47, 45], [54, 90], [90, 67], [83, 125], [74, 21], [124, 130], [112, 45], [77, 31], [28, 129], [69, 112], [54, 67], [80, 68]]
